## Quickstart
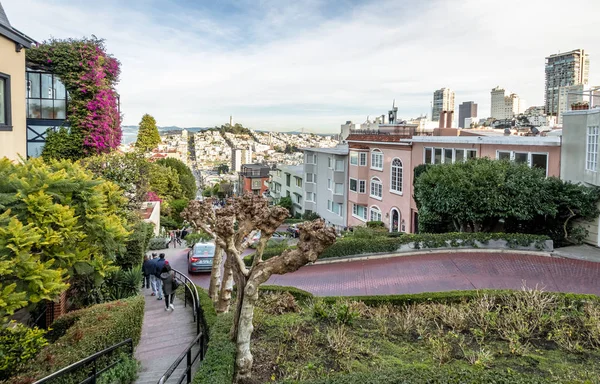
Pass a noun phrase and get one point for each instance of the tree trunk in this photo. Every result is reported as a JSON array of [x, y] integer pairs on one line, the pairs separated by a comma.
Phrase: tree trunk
[[244, 357], [226, 287], [240, 283], [215, 275]]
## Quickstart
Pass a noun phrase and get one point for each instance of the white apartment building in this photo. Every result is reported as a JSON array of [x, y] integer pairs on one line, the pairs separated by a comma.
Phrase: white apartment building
[[288, 181], [563, 70], [505, 105], [240, 157], [443, 100]]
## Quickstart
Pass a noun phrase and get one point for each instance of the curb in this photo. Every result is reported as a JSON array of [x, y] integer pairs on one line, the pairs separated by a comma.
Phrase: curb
[[376, 256]]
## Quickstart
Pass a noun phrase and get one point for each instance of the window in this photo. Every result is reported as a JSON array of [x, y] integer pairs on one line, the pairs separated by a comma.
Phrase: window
[[459, 155], [377, 160], [537, 160], [448, 155], [591, 155], [359, 211], [298, 198], [353, 158], [428, 155], [5, 110], [376, 188], [375, 214], [310, 196], [339, 165], [362, 186], [338, 208], [46, 96], [288, 179], [471, 153], [396, 179], [354, 185], [311, 158], [338, 189], [310, 177], [298, 181], [437, 158], [329, 205], [329, 184], [362, 160], [256, 183], [329, 162]]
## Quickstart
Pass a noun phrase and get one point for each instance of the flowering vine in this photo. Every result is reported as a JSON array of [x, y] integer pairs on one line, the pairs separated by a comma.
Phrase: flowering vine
[[90, 76]]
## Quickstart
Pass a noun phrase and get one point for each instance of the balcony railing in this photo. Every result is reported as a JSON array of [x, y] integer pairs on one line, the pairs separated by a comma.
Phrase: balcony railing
[[587, 99], [393, 131]]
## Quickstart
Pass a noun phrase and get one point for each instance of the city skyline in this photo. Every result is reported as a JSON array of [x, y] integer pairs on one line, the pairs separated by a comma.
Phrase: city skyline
[[312, 64]]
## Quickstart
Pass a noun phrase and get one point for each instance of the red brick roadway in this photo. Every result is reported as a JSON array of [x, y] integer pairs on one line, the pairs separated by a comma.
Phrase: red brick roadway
[[435, 272]]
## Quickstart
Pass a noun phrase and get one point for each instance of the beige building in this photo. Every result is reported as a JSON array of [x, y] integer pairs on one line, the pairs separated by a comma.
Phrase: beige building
[[563, 70], [443, 100], [13, 127], [505, 105]]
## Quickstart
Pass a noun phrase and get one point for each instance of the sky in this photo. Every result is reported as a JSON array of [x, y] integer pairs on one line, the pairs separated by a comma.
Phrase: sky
[[315, 64]]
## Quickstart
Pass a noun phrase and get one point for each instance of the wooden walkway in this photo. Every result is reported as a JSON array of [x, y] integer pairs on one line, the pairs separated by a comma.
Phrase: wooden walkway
[[165, 335]]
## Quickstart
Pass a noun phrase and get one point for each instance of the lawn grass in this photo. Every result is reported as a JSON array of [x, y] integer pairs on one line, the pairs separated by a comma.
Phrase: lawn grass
[[515, 337]]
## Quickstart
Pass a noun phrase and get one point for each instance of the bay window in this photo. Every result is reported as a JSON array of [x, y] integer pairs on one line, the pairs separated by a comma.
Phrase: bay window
[[376, 188], [377, 160]]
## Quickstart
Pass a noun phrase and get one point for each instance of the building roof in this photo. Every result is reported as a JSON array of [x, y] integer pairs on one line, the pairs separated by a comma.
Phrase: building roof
[[292, 169], [11, 33], [497, 140], [255, 166], [340, 149]]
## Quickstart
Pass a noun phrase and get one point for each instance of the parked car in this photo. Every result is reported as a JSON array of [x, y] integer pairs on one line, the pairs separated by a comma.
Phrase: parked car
[[200, 257], [294, 230], [275, 238]]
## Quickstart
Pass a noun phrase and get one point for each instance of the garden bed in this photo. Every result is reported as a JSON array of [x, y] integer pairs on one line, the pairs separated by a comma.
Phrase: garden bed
[[524, 336]]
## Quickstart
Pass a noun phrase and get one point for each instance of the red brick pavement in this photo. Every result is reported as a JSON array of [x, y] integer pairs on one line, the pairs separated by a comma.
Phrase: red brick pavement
[[438, 272]]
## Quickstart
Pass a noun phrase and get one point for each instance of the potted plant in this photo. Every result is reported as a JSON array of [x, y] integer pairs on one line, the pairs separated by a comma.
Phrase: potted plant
[[580, 105]]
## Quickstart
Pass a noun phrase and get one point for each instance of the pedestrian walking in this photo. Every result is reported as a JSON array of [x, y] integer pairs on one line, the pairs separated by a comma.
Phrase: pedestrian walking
[[158, 266], [146, 271], [154, 281], [168, 282]]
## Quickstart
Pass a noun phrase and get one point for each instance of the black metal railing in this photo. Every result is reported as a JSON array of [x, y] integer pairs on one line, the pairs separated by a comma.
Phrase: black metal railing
[[87, 362], [201, 339]]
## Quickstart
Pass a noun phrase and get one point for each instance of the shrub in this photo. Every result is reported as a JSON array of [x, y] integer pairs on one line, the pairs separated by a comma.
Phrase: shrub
[[93, 329], [123, 284], [18, 345], [375, 224], [271, 250], [125, 372], [157, 243], [137, 245]]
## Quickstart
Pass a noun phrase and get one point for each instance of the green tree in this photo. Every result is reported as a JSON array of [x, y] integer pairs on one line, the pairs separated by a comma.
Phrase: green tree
[[286, 202], [223, 168], [475, 195], [59, 226], [186, 177], [164, 181], [216, 188], [130, 171], [148, 137]]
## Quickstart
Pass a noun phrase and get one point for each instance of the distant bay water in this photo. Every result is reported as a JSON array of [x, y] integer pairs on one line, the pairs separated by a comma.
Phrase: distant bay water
[[130, 132]]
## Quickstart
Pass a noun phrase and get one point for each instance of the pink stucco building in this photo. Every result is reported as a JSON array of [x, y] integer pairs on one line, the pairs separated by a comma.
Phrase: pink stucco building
[[382, 162]]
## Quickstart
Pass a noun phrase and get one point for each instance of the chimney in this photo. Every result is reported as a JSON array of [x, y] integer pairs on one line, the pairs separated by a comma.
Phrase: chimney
[[449, 118], [442, 119]]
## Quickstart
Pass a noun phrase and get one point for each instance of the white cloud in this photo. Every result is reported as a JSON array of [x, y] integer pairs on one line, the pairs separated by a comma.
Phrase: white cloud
[[190, 68]]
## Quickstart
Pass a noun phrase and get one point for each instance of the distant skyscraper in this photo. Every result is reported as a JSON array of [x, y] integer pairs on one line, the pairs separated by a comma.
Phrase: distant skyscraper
[[443, 100], [466, 109], [505, 105], [563, 70]]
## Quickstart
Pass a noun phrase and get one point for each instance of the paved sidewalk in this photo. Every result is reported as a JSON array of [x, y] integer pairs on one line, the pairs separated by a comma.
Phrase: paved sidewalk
[[165, 334], [579, 252]]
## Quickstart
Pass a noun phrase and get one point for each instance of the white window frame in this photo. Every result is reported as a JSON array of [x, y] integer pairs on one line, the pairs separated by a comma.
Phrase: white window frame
[[298, 181], [354, 158], [335, 164], [341, 192], [443, 155], [329, 163], [350, 185], [363, 184], [312, 177], [362, 159], [308, 199], [591, 149], [400, 176], [329, 184], [355, 212], [376, 152], [311, 156], [375, 209], [529, 157], [329, 206], [376, 181], [341, 208]]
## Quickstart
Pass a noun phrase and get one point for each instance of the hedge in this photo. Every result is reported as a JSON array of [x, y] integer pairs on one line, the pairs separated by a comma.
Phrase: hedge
[[136, 246], [218, 364], [430, 375], [82, 333], [350, 245], [293, 221], [270, 251]]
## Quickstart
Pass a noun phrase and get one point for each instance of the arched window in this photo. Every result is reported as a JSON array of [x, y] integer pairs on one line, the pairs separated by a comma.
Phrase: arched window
[[376, 188], [375, 214], [396, 176], [377, 159]]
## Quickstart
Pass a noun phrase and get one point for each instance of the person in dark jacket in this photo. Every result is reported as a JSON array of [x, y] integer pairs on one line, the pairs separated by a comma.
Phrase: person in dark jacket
[[167, 277], [147, 271], [158, 266]]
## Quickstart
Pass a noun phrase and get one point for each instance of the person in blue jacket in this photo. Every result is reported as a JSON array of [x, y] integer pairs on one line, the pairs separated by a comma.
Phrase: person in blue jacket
[[146, 271], [158, 266]]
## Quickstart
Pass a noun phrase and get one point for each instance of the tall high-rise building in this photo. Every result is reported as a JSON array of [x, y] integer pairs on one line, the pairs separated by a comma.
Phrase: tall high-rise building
[[466, 109], [563, 70], [505, 105], [443, 100]]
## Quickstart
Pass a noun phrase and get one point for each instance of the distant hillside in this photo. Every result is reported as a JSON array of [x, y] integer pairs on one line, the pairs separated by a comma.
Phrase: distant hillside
[[130, 131]]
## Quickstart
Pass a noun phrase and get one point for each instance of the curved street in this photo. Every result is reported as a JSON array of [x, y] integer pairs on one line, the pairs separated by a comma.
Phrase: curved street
[[431, 273]]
